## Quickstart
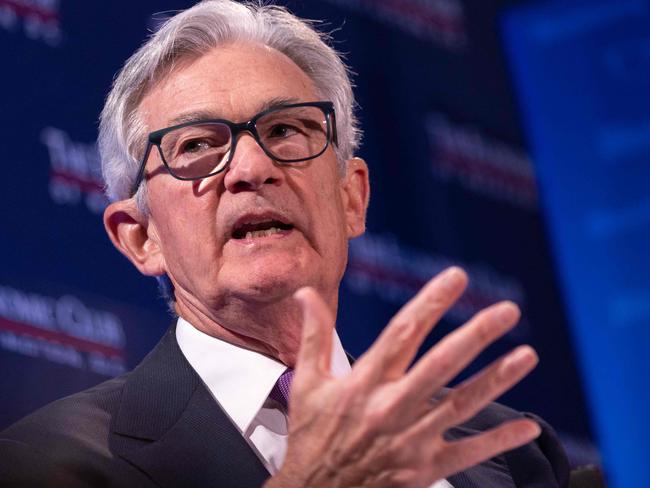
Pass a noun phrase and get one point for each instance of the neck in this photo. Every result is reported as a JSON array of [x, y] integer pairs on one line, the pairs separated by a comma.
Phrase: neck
[[270, 328]]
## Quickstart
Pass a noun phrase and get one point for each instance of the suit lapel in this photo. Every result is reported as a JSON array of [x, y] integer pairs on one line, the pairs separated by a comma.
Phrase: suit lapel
[[171, 428]]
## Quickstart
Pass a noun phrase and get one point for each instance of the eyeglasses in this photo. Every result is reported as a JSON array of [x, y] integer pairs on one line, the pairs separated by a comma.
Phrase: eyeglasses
[[286, 133]]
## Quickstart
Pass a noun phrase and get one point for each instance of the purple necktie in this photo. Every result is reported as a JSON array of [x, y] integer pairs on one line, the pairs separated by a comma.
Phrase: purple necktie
[[280, 392]]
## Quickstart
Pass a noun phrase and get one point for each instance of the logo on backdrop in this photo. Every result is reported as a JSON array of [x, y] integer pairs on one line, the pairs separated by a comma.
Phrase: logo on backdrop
[[479, 163], [75, 171], [62, 330], [441, 21], [381, 265], [37, 19]]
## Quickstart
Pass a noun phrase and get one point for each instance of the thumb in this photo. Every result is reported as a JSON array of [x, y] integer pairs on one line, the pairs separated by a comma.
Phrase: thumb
[[316, 342]]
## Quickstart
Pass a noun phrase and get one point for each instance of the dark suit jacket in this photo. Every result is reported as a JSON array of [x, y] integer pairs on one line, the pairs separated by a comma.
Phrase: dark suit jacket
[[160, 426]]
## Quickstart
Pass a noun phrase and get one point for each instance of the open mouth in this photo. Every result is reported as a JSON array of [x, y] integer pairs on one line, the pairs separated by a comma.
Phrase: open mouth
[[260, 229]]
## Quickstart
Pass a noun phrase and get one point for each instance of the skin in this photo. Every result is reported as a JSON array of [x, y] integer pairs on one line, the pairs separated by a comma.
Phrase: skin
[[278, 295], [242, 293]]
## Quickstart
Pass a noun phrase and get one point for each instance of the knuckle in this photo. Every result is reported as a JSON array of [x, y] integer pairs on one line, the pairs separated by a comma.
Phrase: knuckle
[[403, 329], [360, 380], [483, 314], [381, 415], [492, 382], [457, 404], [438, 303], [309, 342], [483, 331], [501, 437], [375, 419], [507, 436]]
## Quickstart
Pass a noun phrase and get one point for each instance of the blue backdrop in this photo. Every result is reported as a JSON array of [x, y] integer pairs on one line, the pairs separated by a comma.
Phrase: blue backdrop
[[552, 212], [583, 76]]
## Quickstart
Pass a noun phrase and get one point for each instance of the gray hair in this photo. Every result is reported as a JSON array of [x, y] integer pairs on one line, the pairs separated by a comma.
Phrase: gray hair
[[189, 35]]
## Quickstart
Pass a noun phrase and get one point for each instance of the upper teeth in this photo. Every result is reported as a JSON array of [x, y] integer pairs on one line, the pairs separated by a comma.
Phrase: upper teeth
[[262, 233]]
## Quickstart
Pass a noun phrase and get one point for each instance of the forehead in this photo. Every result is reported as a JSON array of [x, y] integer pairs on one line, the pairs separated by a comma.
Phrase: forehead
[[233, 82]]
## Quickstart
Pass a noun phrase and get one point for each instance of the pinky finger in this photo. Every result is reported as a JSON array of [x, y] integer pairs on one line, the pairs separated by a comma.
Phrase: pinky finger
[[458, 455], [473, 394]]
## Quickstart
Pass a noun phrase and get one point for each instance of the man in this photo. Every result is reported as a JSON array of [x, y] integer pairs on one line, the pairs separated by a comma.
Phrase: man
[[227, 147]]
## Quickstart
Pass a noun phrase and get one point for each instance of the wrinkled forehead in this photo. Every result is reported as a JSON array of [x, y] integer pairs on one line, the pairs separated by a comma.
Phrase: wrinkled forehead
[[234, 82]]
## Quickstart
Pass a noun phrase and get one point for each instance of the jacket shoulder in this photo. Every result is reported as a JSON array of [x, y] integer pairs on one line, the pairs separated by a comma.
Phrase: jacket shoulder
[[54, 441], [82, 417]]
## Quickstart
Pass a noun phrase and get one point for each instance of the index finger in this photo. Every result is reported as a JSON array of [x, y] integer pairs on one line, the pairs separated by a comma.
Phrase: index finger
[[398, 344]]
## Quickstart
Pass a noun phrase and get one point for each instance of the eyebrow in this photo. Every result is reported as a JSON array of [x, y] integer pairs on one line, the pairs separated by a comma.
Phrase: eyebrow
[[201, 115]]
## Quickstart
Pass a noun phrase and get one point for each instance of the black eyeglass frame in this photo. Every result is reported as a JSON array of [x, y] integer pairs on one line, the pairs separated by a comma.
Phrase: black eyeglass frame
[[155, 138]]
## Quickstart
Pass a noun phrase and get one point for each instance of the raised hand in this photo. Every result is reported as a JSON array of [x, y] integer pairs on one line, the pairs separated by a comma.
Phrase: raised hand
[[383, 424]]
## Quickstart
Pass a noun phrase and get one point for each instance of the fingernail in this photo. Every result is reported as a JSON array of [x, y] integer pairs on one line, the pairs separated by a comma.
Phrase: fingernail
[[535, 430], [299, 294], [508, 312], [453, 277], [520, 357]]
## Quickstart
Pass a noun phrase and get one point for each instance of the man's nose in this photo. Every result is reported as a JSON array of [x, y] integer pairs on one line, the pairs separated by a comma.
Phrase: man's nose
[[250, 167]]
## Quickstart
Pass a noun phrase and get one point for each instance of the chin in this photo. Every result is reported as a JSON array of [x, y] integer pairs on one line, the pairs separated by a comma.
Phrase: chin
[[268, 284]]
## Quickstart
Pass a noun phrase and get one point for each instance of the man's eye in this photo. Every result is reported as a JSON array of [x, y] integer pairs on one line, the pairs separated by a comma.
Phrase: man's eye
[[195, 146], [282, 130]]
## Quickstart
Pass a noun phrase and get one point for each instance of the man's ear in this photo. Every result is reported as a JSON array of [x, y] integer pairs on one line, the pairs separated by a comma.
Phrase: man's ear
[[134, 236], [356, 193]]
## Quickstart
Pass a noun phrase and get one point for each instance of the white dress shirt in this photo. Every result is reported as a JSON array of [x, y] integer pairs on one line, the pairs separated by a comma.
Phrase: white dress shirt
[[240, 381]]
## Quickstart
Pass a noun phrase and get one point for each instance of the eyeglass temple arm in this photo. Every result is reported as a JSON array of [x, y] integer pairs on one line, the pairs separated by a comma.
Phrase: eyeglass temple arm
[[140, 175], [335, 138]]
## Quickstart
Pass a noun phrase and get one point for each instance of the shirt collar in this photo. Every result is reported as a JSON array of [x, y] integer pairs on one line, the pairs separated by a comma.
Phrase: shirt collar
[[240, 379]]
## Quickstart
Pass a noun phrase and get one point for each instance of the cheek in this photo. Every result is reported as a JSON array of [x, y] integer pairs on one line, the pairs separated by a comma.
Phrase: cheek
[[330, 219], [186, 225]]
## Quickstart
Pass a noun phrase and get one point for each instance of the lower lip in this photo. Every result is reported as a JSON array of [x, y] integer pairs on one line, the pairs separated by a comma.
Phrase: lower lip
[[261, 239]]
